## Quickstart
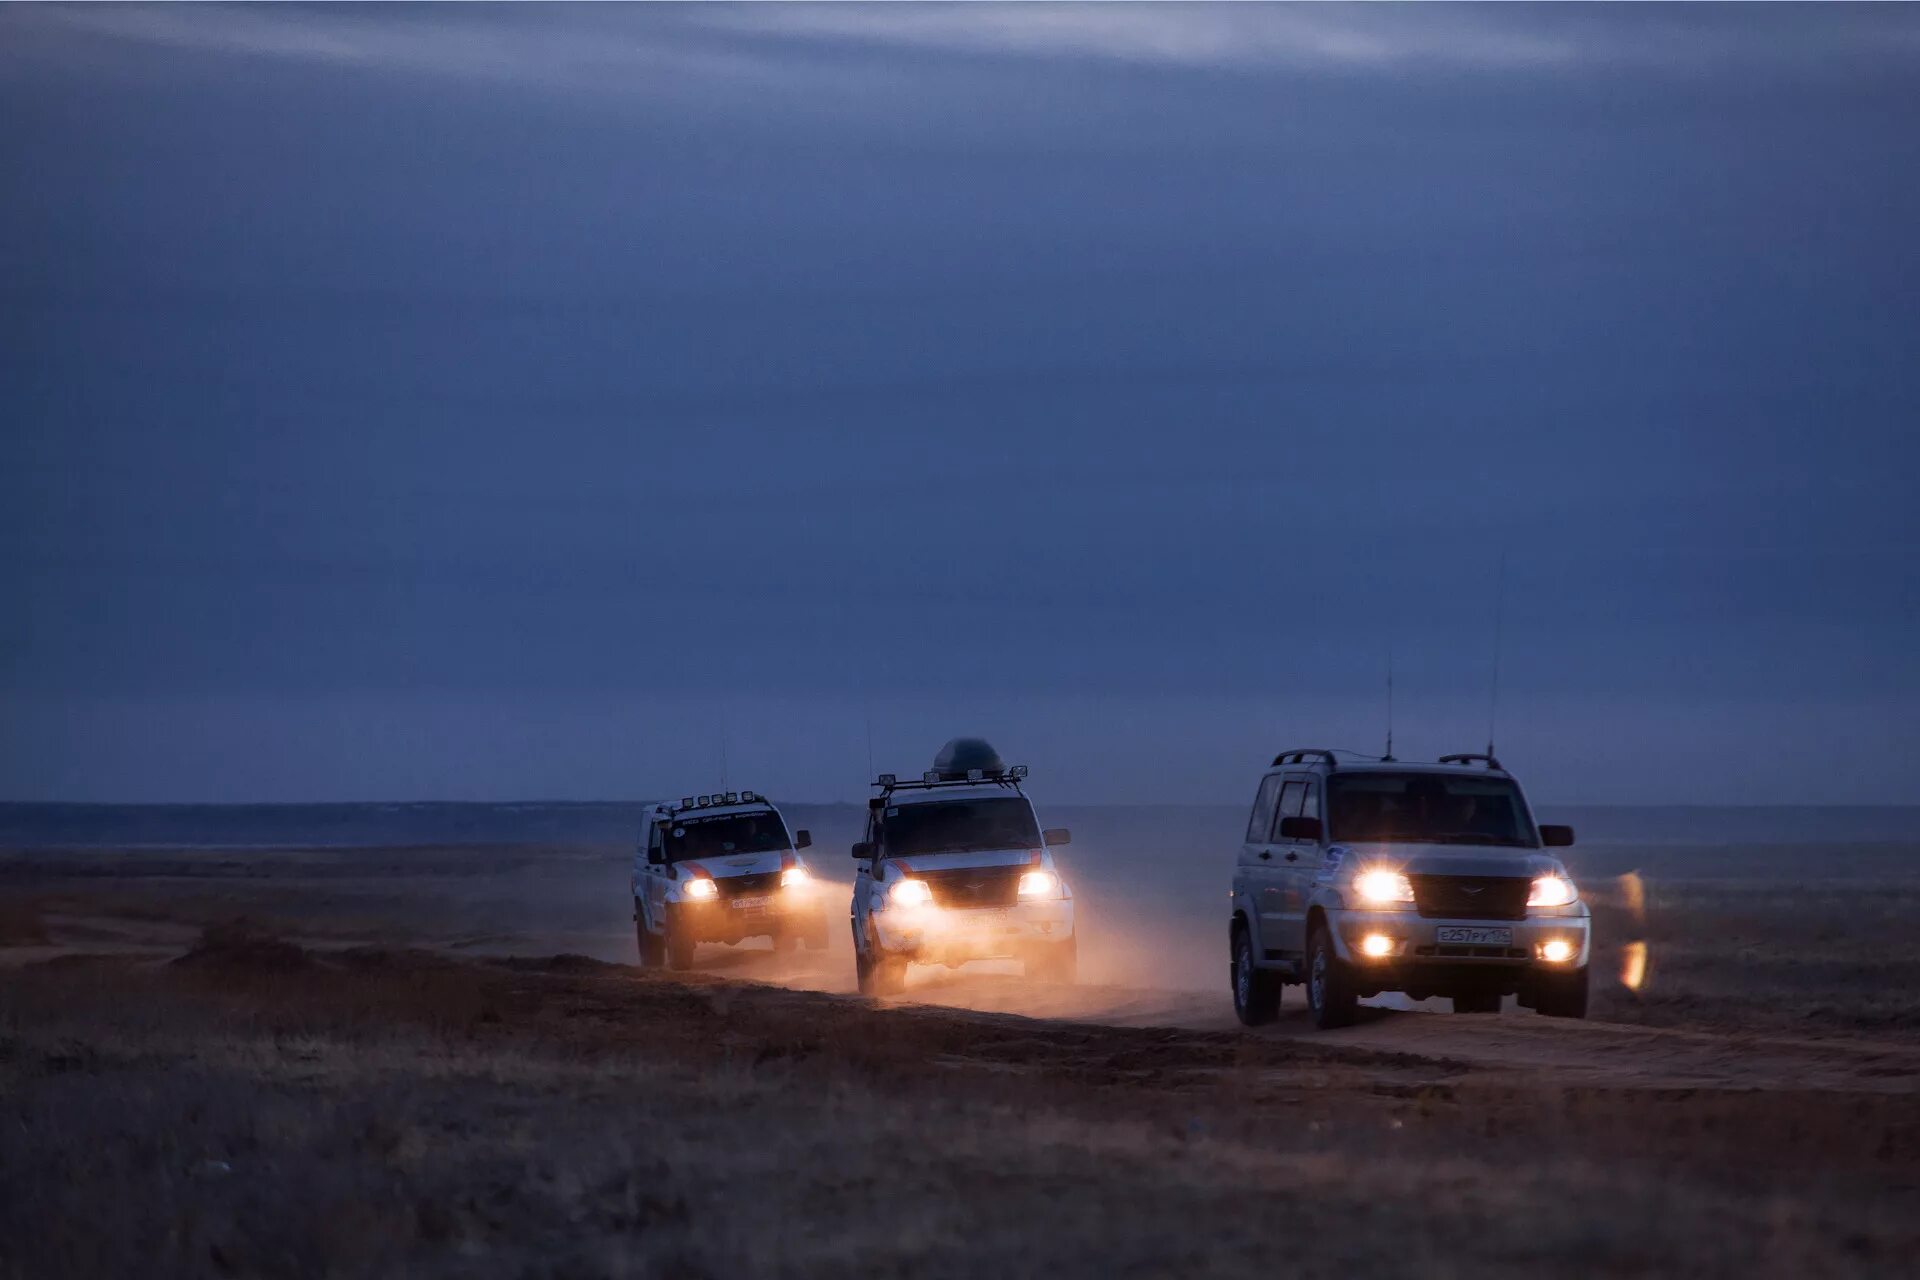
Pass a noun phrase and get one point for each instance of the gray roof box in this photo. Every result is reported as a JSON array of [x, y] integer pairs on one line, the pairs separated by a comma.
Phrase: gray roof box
[[962, 754]]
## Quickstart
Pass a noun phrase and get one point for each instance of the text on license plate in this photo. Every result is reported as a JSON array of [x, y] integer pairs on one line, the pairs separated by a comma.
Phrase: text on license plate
[[751, 904], [1473, 935]]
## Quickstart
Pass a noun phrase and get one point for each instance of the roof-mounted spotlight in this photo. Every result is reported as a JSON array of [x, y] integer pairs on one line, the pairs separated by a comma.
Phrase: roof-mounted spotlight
[[885, 780], [931, 775], [705, 801], [733, 797], [1018, 771], [686, 802]]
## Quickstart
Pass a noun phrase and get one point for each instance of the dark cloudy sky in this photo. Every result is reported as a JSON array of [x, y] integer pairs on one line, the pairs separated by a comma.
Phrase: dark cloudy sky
[[488, 403]]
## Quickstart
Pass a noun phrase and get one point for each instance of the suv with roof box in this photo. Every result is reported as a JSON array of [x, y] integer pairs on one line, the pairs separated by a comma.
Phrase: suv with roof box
[[1360, 877], [955, 867]]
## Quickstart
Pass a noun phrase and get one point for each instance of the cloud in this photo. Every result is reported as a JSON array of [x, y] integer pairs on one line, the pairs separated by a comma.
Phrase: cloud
[[646, 48], [1359, 36]]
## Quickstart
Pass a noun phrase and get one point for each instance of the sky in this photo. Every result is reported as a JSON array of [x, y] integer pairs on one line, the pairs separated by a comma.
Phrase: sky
[[606, 402]]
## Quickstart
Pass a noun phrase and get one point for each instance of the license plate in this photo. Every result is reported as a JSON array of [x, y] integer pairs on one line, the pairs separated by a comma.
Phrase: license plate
[[751, 904], [1473, 936]]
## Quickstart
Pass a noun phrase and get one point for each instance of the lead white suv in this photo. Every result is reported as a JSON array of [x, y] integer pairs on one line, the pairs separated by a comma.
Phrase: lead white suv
[[1431, 879], [954, 868]]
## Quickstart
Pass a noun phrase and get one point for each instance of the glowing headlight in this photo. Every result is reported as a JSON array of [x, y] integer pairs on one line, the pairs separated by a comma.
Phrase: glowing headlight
[[795, 878], [1039, 884], [1383, 886], [701, 888], [1551, 891], [911, 893]]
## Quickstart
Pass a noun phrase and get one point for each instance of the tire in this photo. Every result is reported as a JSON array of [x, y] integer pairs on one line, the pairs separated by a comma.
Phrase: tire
[[1564, 995], [880, 974], [1256, 991], [679, 946], [653, 950], [1477, 1002], [1055, 962], [1330, 995]]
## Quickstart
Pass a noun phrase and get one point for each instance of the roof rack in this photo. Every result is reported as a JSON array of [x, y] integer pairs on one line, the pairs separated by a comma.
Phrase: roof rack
[[1298, 755], [968, 778], [1468, 757]]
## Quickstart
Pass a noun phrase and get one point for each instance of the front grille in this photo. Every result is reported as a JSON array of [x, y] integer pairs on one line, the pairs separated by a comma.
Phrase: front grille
[[1471, 897], [1460, 951], [734, 886], [967, 887]]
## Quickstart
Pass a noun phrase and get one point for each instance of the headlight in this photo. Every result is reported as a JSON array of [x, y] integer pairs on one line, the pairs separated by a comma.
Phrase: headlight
[[1039, 884], [795, 878], [911, 893], [701, 888], [1383, 886], [1551, 891]]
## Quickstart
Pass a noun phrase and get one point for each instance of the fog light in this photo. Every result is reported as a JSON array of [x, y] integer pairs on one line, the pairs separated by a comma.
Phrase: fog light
[[1376, 945], [1556, 951]]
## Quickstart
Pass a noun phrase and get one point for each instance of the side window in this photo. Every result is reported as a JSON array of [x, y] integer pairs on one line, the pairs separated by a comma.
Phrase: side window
[[1290, 800], [1262, 818], [1310, 808], [653, 842]]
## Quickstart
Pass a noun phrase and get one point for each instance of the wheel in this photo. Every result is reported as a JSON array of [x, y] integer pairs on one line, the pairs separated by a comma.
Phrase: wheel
[[1330, 995], [1564, 995], [880, 974], [1055, 962], [679, 946], [653, 951], [1256, 991], [1477, 1002]]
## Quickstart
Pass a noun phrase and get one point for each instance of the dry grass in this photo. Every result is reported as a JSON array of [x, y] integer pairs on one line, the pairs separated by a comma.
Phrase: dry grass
[[256, 1109]]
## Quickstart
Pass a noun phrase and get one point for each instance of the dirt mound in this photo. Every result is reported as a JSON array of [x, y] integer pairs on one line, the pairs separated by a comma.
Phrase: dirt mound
[[392, 959], [243, 945], [22, 926], [567, 963]]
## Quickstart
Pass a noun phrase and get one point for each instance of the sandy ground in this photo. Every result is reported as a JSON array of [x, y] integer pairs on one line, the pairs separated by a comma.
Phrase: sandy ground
[[437, 1060]]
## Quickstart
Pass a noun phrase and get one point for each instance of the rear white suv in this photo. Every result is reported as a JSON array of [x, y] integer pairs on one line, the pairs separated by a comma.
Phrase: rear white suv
[[954, 868], [1430, 879], [722, 868]]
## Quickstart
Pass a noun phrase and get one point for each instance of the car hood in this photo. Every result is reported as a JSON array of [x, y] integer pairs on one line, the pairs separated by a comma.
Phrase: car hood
[[914, 862], [1455, 859], [740, 864]]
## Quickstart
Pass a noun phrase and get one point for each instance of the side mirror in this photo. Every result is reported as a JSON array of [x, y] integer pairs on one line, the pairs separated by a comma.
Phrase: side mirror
[[1057, 835], [803, 839], [1555, 836], [863, 850], [1300, 829]]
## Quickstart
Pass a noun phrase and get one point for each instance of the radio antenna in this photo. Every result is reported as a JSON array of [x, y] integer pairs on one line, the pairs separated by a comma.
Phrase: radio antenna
[[1388, 758], [1499, 621], [870, 742], [723, 755]]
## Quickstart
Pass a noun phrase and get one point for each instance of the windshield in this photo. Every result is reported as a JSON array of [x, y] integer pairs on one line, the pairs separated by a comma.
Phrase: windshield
[[718, 837], [959, 826], [1427, 808]]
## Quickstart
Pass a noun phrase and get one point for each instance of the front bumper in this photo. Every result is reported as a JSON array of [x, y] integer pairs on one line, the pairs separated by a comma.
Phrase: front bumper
[[951, 935], [771, 914], [1417, 945]]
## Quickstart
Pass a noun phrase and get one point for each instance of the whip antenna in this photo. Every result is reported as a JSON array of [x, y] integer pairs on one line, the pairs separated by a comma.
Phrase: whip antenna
[[1388, 758], [1499, 620]]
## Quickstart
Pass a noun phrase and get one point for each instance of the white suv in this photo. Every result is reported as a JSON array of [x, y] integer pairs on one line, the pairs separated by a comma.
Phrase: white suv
[[954, 868], [722, 868], [1430, 879]]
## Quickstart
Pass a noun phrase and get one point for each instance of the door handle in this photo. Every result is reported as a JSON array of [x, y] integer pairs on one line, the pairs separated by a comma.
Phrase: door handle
[[1293, 857], [1264, 855]]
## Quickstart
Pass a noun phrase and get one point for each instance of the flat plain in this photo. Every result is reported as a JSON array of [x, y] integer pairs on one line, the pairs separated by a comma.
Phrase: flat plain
[[425, 1060]]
